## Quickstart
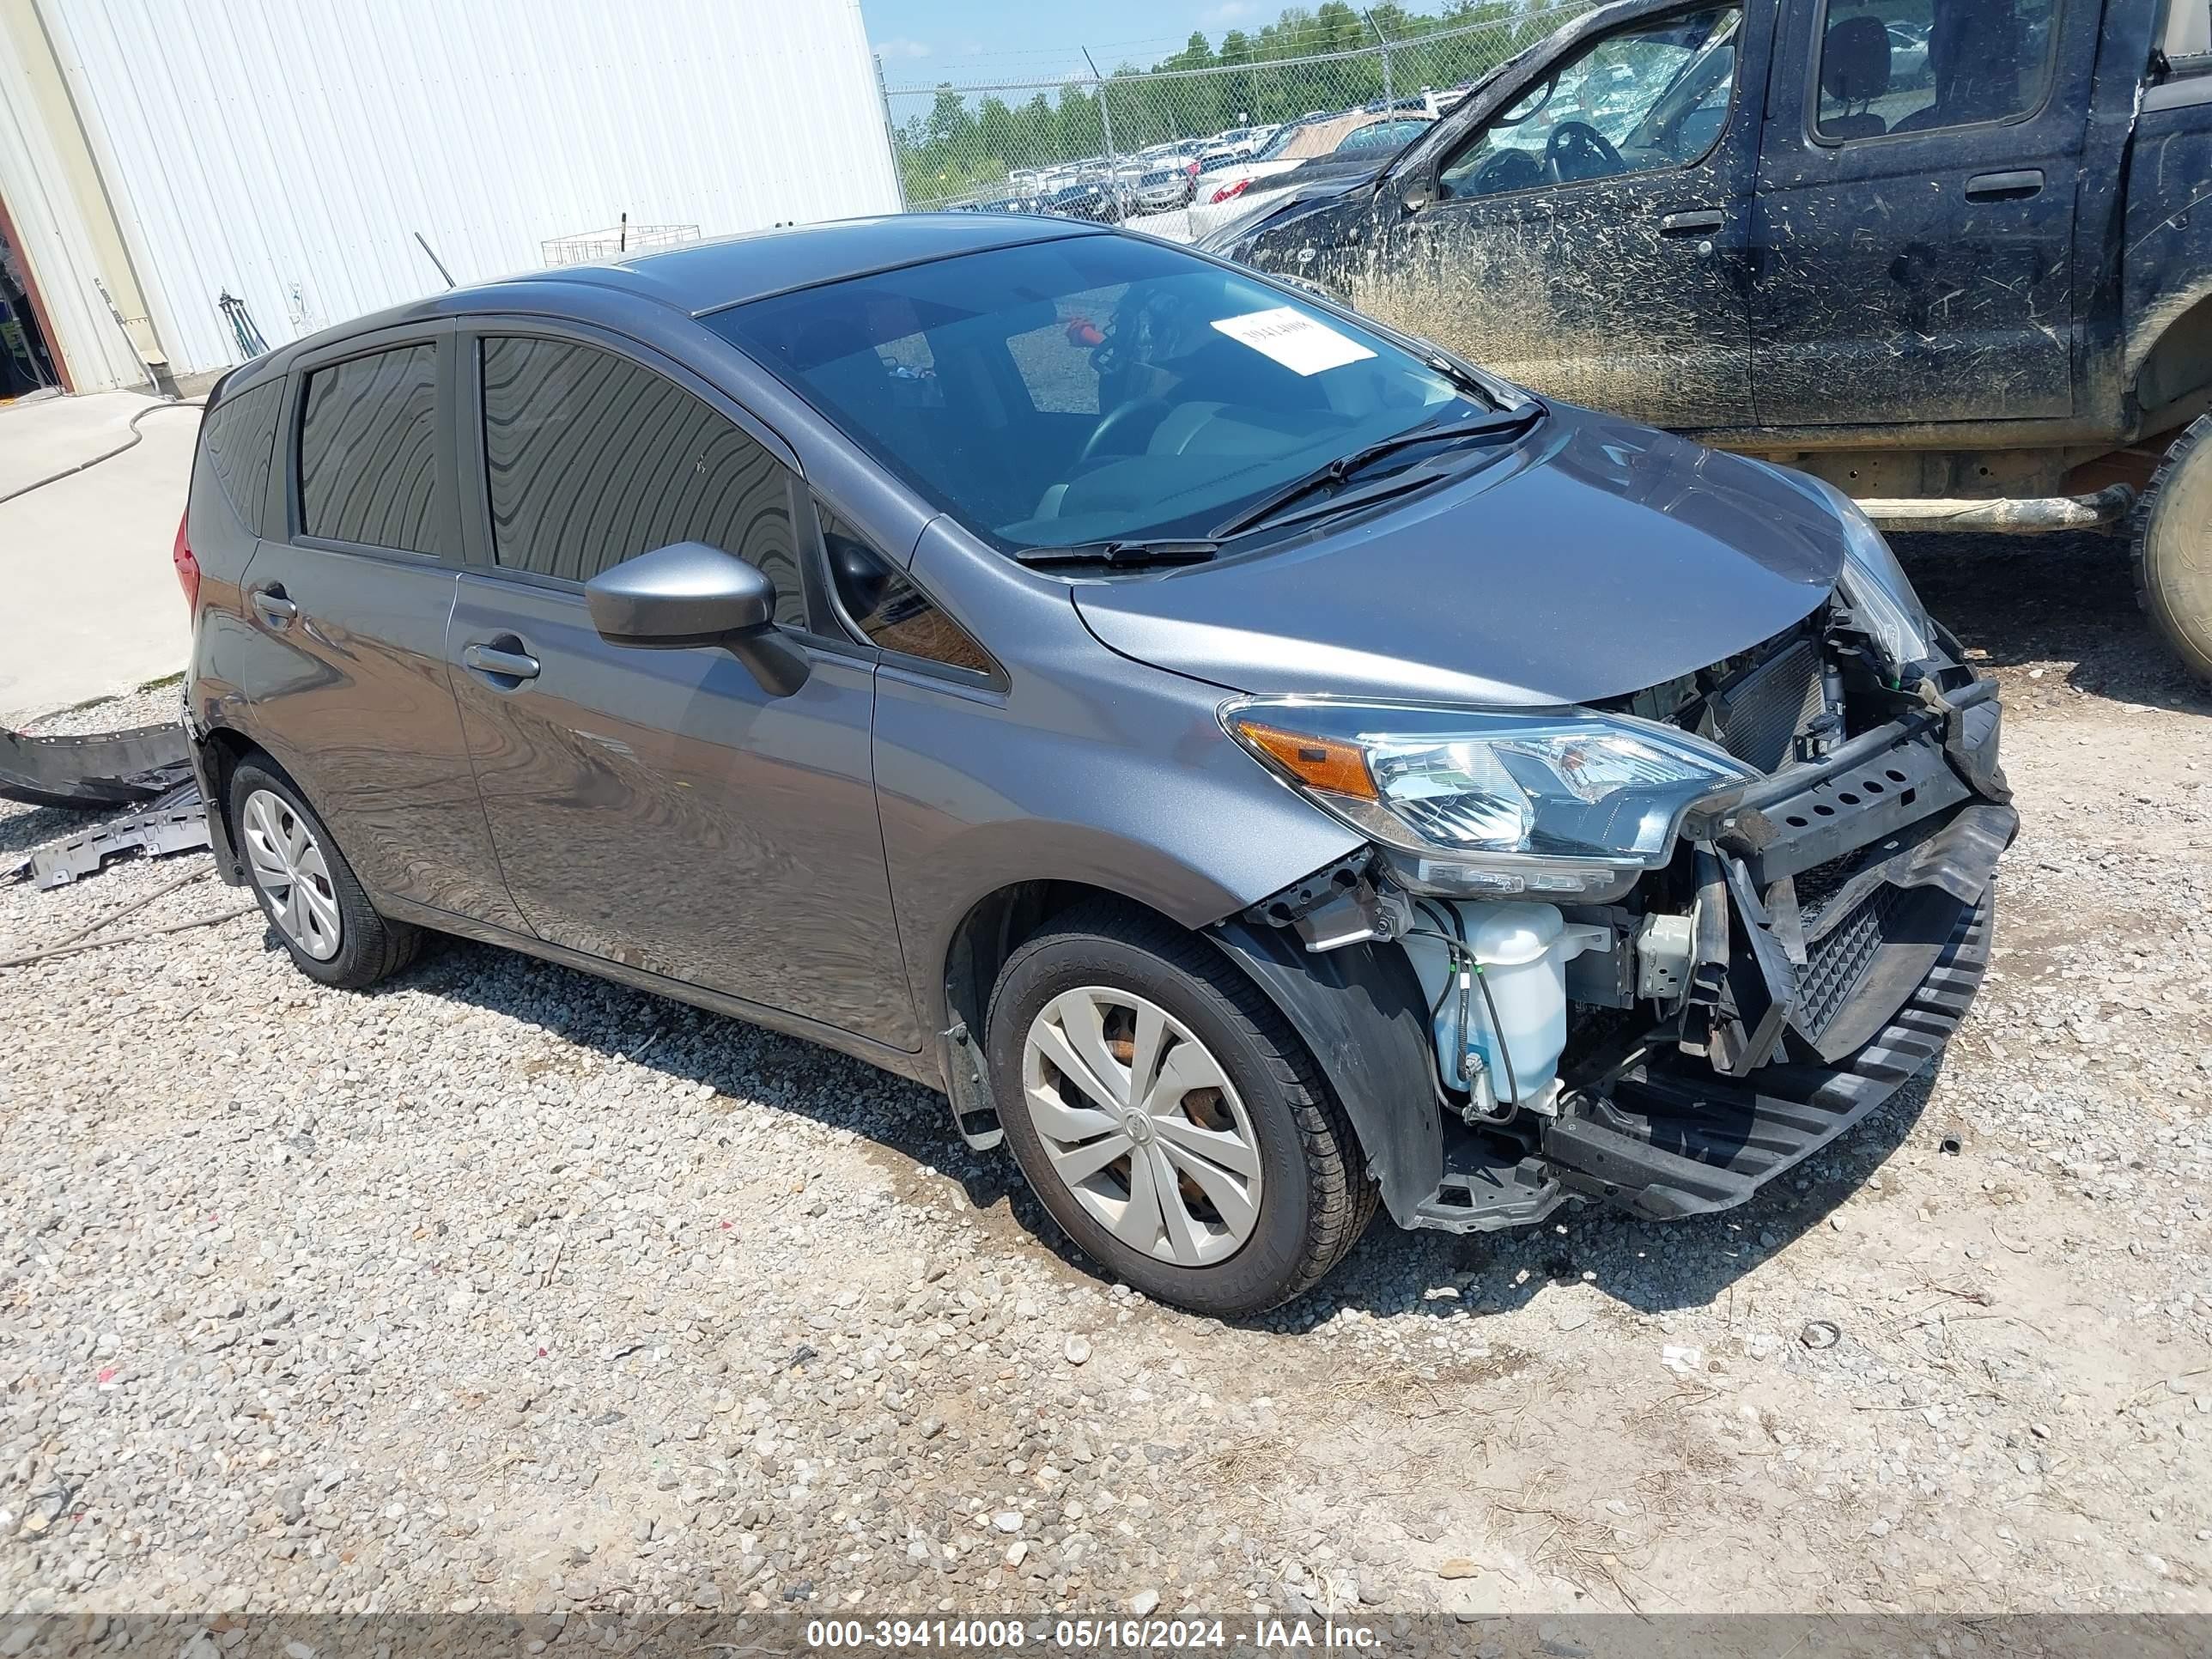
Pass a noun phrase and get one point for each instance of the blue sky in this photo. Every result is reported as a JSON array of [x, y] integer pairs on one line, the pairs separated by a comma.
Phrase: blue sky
[[968, 41]]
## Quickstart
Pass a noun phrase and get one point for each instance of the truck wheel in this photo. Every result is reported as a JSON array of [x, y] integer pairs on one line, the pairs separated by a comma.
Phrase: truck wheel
[[2173, 548], [1169, 1117]]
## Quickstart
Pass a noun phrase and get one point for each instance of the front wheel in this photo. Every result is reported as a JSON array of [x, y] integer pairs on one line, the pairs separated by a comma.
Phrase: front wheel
[[2173, 548], [1168, 1116]]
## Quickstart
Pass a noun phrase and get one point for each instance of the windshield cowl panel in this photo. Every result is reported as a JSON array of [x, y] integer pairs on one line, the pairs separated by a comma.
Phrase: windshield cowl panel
[[1092, 390]]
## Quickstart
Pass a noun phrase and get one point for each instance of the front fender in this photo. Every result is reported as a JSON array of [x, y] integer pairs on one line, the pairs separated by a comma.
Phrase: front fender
[[1359, 1009], [1113, 774]]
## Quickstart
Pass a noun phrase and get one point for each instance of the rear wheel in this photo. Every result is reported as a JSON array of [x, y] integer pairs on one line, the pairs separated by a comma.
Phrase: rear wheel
[[2173, 548], [1169, 1117], [306, 889]]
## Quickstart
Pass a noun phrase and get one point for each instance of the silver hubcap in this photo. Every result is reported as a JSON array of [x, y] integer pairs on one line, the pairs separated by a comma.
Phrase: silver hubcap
[[1142, 1125], [289, 870]]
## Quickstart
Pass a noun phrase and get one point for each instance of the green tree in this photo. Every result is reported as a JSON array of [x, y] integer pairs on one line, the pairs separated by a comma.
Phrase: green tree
[[1081, 131]]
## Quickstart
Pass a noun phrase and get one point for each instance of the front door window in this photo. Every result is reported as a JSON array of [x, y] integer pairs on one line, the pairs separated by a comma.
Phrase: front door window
[[1639, 101]]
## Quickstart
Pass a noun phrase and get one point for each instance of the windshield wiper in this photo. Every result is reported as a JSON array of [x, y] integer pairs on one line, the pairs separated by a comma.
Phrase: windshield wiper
[[1465, 380], [1122, 555], [1340, 469]]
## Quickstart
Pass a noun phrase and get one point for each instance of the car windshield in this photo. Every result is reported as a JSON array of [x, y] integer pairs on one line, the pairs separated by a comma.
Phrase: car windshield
[[1092, 388]]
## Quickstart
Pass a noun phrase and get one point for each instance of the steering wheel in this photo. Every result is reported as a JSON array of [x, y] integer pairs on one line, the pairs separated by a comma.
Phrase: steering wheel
[[1123, 414], [1507, 170], [1578, 150]]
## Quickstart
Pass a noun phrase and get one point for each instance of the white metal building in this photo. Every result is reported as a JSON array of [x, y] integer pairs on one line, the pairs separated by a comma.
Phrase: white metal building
[[286, 152]]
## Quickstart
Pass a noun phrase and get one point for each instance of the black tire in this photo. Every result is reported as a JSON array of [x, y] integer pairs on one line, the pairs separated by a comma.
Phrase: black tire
[[1315, 1199], [370, 948], [2173, 548]]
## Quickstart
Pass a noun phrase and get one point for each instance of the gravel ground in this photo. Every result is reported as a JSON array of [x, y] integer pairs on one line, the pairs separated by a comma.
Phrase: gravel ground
[[506, 1288]]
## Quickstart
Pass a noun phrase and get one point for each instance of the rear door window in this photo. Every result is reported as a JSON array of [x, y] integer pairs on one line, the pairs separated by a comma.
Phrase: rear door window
[[1892, 66], [368, 451], [590, 459], [240, 436]]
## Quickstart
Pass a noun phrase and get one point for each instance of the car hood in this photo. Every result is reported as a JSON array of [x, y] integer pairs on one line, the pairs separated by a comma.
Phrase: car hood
[[1592, 559]]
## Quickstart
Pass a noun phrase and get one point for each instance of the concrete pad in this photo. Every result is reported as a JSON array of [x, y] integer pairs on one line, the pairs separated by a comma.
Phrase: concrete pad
[[42, 437], [89, 605]]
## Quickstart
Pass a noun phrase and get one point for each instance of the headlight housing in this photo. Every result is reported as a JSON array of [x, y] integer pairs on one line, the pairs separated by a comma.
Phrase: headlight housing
[[1561, 802], [1876, 588]]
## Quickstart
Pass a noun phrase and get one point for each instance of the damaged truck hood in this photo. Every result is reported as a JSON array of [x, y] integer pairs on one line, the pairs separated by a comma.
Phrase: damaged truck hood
[[1591, 559]]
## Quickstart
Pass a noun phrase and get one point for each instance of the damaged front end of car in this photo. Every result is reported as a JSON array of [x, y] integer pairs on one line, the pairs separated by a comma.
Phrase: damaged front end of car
[[1653, 951]]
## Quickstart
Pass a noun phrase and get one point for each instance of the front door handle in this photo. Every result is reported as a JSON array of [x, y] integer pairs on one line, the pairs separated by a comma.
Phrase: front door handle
[[2016, 186], [489, 660], [1700, 223], [271, 607]]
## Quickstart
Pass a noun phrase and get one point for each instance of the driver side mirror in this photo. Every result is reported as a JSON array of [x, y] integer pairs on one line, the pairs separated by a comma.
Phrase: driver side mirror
[[691, 594], [1417, 189]]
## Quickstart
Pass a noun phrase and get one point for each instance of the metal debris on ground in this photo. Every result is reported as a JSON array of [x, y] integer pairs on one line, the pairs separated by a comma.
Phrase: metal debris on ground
[[176, 822]]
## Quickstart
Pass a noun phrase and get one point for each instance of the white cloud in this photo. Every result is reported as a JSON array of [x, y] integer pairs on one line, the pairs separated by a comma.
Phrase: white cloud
[[905, 48], [1228, 12]]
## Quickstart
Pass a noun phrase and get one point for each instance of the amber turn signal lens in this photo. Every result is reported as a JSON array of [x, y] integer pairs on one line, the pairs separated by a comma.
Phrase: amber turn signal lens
[[1339, 769]]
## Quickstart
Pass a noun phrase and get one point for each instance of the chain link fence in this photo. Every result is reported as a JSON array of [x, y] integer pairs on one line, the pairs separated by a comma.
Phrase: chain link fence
[[1204, 125]]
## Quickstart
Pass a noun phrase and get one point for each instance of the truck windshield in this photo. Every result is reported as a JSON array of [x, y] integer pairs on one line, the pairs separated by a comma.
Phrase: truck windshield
[[1088, 389]]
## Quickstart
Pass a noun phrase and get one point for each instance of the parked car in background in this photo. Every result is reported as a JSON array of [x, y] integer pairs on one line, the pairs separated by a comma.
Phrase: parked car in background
[[1299, 142], [1908, 53], [1305, 154], [1382, 137], [1258, 766], [1097, 201], [1162, 189], [1979, 297]]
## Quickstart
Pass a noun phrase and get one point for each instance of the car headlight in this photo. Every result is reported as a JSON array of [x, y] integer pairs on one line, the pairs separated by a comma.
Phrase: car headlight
[[1875, 587], [1562, 802]]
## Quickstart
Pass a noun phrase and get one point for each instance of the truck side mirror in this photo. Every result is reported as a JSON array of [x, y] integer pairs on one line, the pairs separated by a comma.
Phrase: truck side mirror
[[1417, 189]]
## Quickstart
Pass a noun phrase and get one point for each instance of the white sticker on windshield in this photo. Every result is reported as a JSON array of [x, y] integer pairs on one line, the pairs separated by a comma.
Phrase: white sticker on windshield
[[1298, 342]]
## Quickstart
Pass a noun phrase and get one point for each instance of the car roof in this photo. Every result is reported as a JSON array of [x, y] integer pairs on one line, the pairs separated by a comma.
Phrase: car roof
[[703, 276], [698, 277]]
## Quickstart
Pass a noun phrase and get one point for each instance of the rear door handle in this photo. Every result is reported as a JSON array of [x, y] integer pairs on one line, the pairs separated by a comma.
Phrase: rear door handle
[[2016, 186], [271, 607], [1700, 223], [490, 660]]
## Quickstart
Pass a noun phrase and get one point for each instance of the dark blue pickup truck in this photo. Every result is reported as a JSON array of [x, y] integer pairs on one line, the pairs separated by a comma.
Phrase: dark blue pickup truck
[[1952, 256]]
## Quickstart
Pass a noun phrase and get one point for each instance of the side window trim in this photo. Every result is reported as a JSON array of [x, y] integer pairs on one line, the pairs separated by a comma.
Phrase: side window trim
[[1811, 69], [853, 638], [289, 514]]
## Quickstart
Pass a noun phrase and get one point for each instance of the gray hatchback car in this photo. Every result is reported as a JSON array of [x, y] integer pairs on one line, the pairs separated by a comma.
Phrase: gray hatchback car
[[1255, 765]]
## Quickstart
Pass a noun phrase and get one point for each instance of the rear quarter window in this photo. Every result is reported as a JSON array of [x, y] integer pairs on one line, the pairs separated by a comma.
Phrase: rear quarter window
[[240, 437], [368, 451]]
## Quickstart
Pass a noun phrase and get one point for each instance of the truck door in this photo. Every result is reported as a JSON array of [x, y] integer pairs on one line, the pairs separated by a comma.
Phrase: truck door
[[1915, 222], [1587, 238]]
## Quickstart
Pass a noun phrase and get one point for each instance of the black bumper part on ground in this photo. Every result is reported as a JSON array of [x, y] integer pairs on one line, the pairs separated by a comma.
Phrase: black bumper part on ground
[[112, 768]]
